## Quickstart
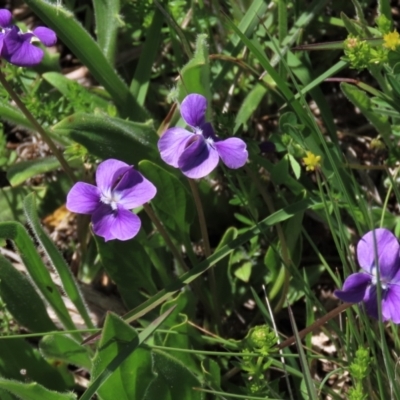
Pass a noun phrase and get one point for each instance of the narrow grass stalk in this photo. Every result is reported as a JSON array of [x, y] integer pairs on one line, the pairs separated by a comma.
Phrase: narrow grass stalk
[[57, 153], [284, 248], [165, 236], [215, 308]]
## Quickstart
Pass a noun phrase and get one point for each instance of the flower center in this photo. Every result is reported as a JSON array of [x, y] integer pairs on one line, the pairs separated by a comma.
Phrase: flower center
[[111, 198], [383, 282]]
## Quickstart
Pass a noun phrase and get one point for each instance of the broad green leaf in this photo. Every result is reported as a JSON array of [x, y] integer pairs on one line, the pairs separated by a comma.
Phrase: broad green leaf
[[20, 172], [107, 23], [141, 79], [70, 88], [65, 349], [22, 300], [107, 137], [129, 380], [249, 105], [170, 191], [33, 391], [57, 260], [17, 355], [129, 266], [37, 270], [111, 355], [244, 271], [174, 377], [78, 40], [195, 75]]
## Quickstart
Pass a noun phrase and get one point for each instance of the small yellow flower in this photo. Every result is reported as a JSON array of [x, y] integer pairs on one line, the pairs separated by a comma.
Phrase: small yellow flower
[[312, 161], [391, 40]]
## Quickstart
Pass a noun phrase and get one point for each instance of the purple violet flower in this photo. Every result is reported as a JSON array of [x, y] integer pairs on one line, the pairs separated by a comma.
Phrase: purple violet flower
[[17, 48], [197, 153], [382, 246], [119, 189]]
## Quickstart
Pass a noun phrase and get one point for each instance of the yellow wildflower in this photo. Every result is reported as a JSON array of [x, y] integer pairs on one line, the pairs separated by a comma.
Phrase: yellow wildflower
[[391, 40], [312, 161]]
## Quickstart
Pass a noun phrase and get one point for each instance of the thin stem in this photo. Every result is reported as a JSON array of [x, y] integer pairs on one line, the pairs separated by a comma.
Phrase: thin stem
[[57, 153], [202, 219], [165, 235], [285, 251], [207, 251], [319, 322]]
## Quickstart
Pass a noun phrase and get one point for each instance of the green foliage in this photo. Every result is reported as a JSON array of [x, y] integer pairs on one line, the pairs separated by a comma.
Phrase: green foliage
[[279, 230]]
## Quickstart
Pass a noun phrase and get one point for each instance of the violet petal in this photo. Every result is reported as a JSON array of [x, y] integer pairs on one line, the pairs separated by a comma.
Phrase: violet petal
[[371, 301], [45, 35], [1, 42], [354, 287], [387, 249], [5, 18], [193, 109], [120, 224], [18, 50], [199, 159], [134, 190], [232, 152], [109, 172], [391, 304], [172, 144], [83, 198], [208, 131]]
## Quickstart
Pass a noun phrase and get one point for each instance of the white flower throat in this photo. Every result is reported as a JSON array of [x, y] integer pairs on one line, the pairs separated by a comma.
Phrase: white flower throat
[[111, 198], [383, 282]]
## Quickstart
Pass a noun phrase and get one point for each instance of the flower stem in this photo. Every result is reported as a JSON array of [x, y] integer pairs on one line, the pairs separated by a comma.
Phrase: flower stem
[[215, 307], [46, 138], [165, 235], [284, 248]]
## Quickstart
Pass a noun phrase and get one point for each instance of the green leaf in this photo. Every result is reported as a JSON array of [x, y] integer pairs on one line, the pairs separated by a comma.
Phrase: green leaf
[[57, 260], [170, 190], [174, 377], [70, 88], [244, 271], [78, 40], [129, 380], [20, 172], [360, 99], [37, 270], [18, 355], [118, 343], [107, 23], [11, 200], [195, 75], [107, 137], [295, 166], [33, 391], [141, 79], [129, 266], [22, 300], [63, 348]]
